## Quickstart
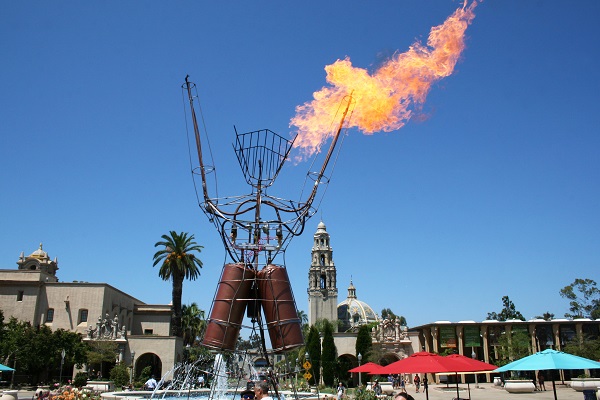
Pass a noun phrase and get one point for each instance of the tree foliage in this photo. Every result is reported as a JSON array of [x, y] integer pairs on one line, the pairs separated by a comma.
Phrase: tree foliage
[[200, 356], [547, 316], [252, 343], [313, 347], [329, 355], [586, 347], [389, 314], [193, 323], [37, 350], [512, 347], [364, 343], [119, 374], [178, 263], [80, 379], [303, 317], [509, 311], [101, 352], [584, 299]]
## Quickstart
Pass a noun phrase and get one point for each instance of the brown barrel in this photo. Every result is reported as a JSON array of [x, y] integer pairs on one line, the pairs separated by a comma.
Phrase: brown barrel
[[278, 304], [228, 307]]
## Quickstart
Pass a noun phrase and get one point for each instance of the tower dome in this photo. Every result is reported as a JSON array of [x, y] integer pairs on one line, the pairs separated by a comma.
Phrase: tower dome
[[40, 254], [321, 227], [353, 313], [39, 261]]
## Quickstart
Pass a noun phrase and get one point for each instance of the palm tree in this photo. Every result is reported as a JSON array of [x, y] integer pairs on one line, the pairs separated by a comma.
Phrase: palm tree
[[178, 263], [193, 323], [304, 322], [303, 317]]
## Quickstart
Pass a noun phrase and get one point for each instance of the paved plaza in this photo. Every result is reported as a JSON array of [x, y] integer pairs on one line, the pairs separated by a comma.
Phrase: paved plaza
[[486, 391], [489, 391]]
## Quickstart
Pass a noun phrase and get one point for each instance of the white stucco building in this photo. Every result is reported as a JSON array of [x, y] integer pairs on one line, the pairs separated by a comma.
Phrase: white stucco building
[[98, 311]]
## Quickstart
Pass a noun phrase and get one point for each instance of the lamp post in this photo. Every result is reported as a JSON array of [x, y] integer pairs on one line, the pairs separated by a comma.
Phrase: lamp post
[[474, 356], [186, 355], [297, 371], [62, 361], [321, 336], [132, 368], [359, 375]]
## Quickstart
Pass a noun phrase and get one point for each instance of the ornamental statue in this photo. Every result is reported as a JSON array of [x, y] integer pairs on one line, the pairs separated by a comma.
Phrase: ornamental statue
[[107, 329]]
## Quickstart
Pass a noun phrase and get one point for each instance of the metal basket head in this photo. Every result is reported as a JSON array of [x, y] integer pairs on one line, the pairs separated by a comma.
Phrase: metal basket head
[[261, 155]]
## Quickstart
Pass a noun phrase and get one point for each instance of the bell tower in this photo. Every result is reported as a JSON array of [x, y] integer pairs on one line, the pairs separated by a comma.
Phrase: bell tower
[[322, 282]]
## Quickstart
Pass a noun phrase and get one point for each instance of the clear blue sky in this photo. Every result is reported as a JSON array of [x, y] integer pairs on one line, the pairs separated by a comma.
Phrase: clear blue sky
[[496, 192]]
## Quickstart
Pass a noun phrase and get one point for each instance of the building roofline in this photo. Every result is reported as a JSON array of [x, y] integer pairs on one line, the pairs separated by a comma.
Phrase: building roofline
[[508, 322]]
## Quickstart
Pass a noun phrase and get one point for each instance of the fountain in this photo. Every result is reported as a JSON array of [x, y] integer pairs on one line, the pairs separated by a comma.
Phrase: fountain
[[219, 387], [181, 383]]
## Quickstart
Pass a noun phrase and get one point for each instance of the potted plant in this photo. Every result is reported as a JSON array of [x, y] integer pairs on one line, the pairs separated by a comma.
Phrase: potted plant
[[584, 382], [9, 395], [519, 385]]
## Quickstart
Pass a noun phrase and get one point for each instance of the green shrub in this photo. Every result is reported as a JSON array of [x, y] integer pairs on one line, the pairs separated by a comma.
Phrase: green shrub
[[145, 374], [80, 380], [119, 374], [365, 395]]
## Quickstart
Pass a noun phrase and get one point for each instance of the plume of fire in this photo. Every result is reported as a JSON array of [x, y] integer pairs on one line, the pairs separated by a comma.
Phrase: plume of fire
[[383, 99]]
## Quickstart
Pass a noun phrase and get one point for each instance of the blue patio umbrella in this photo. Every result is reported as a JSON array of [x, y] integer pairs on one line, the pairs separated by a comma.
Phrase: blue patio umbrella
[[5, 368], [549, 360]]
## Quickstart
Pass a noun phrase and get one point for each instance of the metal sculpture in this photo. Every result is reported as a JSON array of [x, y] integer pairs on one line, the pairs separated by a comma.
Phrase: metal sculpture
[[251, 280]]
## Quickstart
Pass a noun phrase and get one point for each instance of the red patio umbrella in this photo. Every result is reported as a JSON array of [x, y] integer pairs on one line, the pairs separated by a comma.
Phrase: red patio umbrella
[[460, 363], [422, 362], [370, 367]]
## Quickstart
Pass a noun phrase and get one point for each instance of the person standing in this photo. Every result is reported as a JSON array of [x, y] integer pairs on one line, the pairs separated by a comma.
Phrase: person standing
[[340, 391], [417, 382], [377, 388], [541, 380]]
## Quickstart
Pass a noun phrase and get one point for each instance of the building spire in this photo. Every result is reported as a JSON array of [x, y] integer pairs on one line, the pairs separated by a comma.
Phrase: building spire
[[351, 290]]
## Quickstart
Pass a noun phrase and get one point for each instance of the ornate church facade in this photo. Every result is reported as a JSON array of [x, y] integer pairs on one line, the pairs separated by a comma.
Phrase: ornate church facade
[[390, 338]]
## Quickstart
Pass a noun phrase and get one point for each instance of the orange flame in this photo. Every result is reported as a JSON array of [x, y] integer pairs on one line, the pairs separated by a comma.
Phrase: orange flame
[[383, 99]]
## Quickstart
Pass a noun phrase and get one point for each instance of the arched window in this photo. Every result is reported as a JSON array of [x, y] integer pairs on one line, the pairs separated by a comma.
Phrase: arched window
[[50, 315], [322, 260], [323, 281]]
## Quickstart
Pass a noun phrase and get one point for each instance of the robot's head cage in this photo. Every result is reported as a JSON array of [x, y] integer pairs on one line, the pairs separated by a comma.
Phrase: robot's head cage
[[261, 155]]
